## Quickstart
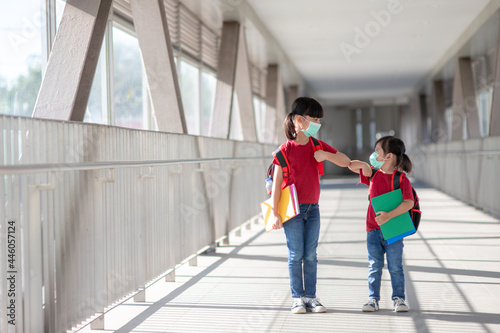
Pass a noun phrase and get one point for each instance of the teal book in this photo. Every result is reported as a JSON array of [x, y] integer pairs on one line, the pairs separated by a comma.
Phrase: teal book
[[399, 226]]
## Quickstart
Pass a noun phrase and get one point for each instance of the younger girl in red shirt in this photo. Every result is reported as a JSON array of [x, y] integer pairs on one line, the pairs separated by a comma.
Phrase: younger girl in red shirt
[[388, 157]]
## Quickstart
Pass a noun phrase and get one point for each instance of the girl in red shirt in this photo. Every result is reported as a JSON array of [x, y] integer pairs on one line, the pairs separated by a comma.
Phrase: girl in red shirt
[[302, 231], [388, 157]]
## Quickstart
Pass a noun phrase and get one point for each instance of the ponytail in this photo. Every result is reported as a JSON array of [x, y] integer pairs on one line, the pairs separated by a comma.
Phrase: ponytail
[[391, 144], [289, 126], [403, 162]]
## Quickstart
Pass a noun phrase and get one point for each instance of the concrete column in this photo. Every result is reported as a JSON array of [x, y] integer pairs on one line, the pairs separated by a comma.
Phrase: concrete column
[[438, 125], [150, 23], [66, 85], [464, 102], [243, 94], [415, 119], [495, 105], [272, 118], [292, 95], [275, 106], [425, 135], [233, 105], [219, 126]]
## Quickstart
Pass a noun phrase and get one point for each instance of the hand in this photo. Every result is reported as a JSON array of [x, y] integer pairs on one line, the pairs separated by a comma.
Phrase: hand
[[382, 217], [367, 171], [277, 222], [320, 155]]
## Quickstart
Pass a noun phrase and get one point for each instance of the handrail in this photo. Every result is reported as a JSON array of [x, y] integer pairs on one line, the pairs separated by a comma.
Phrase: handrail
[[51, 167]]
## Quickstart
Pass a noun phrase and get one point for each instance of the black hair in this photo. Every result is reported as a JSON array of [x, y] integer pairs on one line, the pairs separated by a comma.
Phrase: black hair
[[302, 106], [391, 144]]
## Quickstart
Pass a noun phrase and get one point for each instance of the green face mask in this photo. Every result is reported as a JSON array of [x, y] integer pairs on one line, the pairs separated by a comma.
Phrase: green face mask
[[312, 129]]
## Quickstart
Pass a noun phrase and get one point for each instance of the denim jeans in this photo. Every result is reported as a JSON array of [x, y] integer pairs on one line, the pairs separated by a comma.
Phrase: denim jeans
[[377, 246], [302, 233]]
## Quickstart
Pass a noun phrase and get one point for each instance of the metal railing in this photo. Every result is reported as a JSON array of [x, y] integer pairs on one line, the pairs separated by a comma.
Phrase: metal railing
[[465, 169], [91, 214]]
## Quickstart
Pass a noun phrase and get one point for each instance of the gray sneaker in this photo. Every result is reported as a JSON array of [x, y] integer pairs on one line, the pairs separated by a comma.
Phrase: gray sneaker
[[298, 305], [371, 305], [313, 305], [400, 305]]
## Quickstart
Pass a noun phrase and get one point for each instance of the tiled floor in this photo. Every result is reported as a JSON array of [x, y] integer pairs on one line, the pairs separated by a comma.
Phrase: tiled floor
[[452, 277]]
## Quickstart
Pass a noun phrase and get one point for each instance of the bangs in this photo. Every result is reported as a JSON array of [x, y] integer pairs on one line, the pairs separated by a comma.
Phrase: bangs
[[314, 110]]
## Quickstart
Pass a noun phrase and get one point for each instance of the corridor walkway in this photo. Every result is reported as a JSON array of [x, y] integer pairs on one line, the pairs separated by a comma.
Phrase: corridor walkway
[[452, 277]]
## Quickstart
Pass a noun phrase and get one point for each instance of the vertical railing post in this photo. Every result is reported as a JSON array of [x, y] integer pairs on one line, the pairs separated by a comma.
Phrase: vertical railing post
[[36, 253], [100, 285]]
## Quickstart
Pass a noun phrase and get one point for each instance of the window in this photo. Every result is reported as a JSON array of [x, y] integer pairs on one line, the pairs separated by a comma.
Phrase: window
[[189, 77], [359, 130], [259, 106], [21, 56], [128, 81], [484, 101], [208, 84]]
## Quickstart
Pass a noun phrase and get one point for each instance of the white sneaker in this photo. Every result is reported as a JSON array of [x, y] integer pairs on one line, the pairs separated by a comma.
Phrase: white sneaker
[[400, 305], [313, 305], [371, 305], [298, 305]]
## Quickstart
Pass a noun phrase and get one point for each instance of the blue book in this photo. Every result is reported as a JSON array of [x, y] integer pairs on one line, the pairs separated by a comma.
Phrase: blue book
[[398, 227]]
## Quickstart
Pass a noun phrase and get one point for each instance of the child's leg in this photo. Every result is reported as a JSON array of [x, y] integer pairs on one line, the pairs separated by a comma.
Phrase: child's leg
[[312, 225], [375, 262], [395, 265], [294, 231]]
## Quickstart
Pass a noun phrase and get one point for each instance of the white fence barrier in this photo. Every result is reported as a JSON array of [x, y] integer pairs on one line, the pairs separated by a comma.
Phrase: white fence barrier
[[467, 170], [91, 214]]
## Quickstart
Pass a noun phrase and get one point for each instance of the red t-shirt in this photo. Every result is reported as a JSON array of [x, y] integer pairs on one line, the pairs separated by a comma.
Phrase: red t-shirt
[[382, 184], [304, 171]]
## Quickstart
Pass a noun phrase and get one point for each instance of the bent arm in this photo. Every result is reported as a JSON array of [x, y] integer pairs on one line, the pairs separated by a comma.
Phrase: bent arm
[[360, 166], [383, 217], [276, 195], [338, 158]]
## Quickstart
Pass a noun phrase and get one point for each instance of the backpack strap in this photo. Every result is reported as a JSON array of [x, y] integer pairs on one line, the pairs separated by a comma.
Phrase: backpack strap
[[397, 178], [283, 161], [374, 172], [317, 146]]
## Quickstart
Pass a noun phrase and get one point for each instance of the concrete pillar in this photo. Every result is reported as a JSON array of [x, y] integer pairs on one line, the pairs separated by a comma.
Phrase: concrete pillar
[[66, 85], [275, 106], [150, 23], [438, 124], [243, 95], [464, 102], [495, 105], [292, 95], [219, 126], [425, 135], [233, 105]]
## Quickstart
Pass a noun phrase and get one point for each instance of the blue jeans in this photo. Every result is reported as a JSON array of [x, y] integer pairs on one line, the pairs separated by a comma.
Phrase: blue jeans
[[377, 246], [302, 233]]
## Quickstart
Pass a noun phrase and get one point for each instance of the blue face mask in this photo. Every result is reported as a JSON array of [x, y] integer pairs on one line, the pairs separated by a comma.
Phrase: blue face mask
[[312, 129], [373, 161]]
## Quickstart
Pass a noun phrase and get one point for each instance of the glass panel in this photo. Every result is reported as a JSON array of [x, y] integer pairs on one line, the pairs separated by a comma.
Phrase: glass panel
[[20, 56], [484, 107], [235, 128], [128, 82], [96, 111], [190, 92], [263, 133], [208, 83]]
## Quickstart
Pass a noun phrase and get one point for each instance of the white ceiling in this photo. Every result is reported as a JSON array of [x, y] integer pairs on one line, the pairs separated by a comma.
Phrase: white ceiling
[[401, 42]]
